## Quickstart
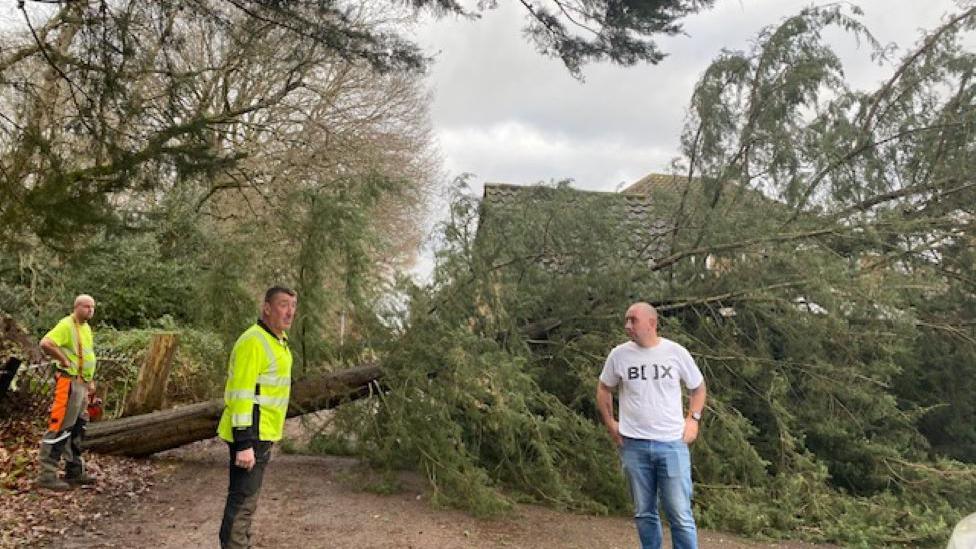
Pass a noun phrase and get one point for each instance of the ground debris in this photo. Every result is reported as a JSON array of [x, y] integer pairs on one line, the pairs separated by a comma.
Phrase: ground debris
[[35, 517]]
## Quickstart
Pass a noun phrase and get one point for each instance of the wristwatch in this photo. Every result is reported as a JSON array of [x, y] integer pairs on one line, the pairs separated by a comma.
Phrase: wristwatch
[[696, 416]]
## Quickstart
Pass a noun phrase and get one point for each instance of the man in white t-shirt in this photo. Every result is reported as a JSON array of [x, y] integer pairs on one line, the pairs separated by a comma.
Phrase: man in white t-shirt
[[653, 433]]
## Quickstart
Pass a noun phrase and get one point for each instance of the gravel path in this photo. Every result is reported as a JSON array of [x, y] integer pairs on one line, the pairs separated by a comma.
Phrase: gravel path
[[313, 502]]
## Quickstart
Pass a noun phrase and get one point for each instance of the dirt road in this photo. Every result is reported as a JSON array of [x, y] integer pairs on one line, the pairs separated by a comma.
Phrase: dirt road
[[312, 502]]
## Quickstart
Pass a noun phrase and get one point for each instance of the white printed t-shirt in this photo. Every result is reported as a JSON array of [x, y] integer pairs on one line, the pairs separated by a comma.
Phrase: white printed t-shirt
[[649, 390]]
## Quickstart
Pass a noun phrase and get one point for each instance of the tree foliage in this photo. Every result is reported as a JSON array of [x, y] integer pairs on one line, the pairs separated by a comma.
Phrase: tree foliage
[[175, 153], [878, 179], [584, 31], [818, 258], [164, 143], [820, 245], [108, 104]]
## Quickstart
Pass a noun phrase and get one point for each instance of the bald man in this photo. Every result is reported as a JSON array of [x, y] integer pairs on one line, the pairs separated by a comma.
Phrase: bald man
[[653, 433], [70, 343]]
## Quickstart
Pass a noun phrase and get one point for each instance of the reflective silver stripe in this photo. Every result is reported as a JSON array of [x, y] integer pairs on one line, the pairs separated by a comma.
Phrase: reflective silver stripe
[[272, 361], [239, 395], [87, 354], [74, 337], [268, 353], [70, 355], [274, 381], [231, 362], [271, 401], [240, 419], [75, 345], [65, 435]]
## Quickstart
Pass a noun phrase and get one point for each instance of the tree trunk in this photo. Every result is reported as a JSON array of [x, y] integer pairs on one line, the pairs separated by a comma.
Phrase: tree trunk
[[8, 369], [146, 434], [153, 375], [15, 347]]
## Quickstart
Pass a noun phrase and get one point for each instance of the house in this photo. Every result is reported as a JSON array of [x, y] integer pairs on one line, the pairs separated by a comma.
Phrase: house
[[552, 234], [565, 209], [644, 215]]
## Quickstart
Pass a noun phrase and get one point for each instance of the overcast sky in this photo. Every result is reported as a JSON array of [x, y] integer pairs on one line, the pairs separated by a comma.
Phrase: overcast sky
[[505, 113]]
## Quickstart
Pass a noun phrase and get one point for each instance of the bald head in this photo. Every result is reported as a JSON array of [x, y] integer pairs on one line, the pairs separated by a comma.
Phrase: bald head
[[641, 324], [84, 308], [645, 309]]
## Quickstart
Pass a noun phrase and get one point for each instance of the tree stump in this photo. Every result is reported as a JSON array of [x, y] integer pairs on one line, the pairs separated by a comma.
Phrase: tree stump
[[150, 389]]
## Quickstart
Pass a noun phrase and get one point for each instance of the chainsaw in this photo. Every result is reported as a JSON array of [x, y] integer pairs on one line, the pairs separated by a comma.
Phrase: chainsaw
[[95, 408]]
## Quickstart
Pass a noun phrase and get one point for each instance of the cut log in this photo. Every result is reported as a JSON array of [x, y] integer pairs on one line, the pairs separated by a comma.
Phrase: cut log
[[143, 435], [147, 396]]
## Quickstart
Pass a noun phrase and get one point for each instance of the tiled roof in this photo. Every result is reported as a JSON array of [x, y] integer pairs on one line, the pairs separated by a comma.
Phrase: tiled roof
[[654, 182], [639, 222]]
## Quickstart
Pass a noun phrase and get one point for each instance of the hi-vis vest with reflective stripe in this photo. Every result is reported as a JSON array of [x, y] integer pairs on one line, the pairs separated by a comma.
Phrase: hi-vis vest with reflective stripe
[[80, 337], [259, 372]]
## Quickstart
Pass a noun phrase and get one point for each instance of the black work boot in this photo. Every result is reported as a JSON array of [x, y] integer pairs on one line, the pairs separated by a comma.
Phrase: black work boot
[[51, 481], [81, 479]]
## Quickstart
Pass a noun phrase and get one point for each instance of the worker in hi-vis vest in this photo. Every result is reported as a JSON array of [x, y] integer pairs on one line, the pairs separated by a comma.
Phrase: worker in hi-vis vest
[[255, 404], [70, 343]]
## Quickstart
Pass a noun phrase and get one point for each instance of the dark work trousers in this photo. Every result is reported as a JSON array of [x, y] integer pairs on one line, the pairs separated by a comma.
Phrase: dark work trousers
[[242, 498]]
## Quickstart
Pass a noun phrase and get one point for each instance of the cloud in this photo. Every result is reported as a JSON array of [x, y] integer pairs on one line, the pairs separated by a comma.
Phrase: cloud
[[506, 113], [513, 152]]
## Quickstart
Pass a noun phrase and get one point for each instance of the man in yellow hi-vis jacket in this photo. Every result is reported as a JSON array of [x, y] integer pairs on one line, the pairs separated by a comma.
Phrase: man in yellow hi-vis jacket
[[70, 343], [255, 404]]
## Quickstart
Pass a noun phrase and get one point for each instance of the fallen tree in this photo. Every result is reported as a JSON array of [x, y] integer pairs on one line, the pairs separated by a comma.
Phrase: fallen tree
[[146, 434]]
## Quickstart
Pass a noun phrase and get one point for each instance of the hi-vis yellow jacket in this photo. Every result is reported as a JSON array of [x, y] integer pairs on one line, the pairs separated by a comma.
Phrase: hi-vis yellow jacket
[[76, 342], [258, 386]]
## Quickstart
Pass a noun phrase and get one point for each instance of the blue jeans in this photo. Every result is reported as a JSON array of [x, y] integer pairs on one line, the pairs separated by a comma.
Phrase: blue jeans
[[663, 468]]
